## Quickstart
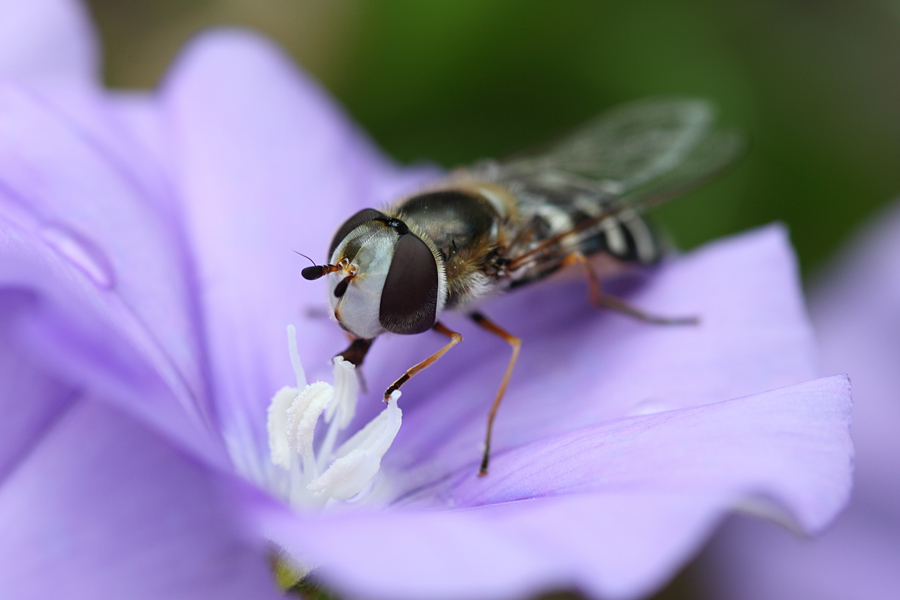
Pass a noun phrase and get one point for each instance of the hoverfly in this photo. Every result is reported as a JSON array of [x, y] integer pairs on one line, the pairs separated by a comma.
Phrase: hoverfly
[[497, 226]]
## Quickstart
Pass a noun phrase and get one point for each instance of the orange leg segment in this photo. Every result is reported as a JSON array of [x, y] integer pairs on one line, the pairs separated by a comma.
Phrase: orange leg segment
[[455, 338], [599, 298], [516, 344]]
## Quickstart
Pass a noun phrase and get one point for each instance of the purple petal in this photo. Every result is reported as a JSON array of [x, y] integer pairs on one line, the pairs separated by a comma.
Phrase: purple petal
[[112, 299], [139, 119], [31, 396], [857, 318], [101, 508], [641, 495], [802, 462], [48, 42]]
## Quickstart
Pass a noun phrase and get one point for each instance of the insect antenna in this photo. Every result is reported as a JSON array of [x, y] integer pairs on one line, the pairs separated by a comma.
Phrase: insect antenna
[[316, 271], [305, 256]]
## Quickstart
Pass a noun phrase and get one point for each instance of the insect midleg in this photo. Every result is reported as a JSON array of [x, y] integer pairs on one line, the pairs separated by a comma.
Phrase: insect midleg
[[600, 298], [455, 338], [516, 344]]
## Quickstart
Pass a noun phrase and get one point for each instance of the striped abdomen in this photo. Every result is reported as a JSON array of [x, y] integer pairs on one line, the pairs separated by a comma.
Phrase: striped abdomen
[[547, 211]]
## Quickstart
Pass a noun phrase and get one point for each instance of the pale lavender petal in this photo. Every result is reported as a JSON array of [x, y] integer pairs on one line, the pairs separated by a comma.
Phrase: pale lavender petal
[[31, 395], [856, 310], [61, 331], [267, 166], [802, 461], [640, 496], [48, 42], [138, 118], [83, 234], [102, 508]]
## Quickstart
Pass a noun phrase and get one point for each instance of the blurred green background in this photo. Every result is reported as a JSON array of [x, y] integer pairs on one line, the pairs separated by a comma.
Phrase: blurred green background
[[815, 84]]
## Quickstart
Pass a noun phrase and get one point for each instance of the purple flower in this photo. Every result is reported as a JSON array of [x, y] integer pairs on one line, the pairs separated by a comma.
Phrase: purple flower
[[146, 280], [856, 310]]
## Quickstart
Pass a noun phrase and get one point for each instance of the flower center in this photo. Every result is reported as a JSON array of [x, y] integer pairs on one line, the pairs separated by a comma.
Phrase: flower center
[[318, 475]]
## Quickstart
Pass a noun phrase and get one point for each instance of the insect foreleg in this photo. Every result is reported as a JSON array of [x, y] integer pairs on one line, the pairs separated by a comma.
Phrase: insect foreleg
[[455, 338], [516, 344], [355, 354], [600, 298]]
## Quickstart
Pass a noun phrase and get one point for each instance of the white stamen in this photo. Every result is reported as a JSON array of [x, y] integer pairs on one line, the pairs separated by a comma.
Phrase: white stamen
[[303, 415], [342, 410], [295, 357], [279, 447], [374, 427], [292, 419], [360, 456], [346, 393]]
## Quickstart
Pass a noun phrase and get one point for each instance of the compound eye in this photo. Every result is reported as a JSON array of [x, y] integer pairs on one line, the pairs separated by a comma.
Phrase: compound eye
[[363, 216], [410, 293]]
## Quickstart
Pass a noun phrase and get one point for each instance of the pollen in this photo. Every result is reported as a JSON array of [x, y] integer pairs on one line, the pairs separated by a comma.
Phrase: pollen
[[319, 474]]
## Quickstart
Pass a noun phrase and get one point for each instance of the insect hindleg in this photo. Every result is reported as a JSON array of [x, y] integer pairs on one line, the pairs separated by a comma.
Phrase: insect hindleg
[[599, 298], [516, 344], [455, 338]]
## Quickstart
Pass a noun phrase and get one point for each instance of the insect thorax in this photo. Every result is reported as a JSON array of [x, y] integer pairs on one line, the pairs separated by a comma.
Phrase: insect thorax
[[466, 230]]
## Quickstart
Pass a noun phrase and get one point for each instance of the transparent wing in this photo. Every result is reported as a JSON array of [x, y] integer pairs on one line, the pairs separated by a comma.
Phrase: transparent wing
[[647, 150]]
